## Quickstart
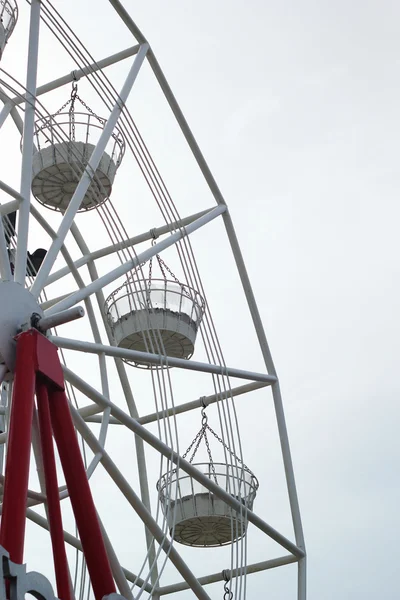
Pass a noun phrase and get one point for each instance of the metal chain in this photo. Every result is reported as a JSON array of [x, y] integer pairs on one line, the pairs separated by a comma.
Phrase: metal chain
[[62, 107], [71, 101], [228, 595], [163, 266], [74, 93], [210, 456], [198, 437], [150, 274], [48, 121], [153, 241], [221, 441], [196, 443], [226, 574], [90, 111], [203, 433], [166, 267]]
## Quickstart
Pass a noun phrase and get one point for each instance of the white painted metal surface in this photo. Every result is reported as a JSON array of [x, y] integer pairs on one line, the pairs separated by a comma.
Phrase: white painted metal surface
[[161, 317], [17, 307], [72, 170], [55, 175], [195, 516]]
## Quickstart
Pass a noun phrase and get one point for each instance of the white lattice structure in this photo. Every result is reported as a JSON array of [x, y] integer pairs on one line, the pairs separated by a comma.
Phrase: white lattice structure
[[156, 508]]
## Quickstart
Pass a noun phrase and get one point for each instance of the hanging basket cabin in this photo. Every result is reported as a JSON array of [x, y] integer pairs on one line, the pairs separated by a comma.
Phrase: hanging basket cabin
[[195, 516], [8, 20], [65, 142], [160, 316]]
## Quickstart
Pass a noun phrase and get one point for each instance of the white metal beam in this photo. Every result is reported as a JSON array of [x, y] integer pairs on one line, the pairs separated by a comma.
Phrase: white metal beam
[[8, 109], [205, 169], [11, 192], [279, 412], [9, 207], [170, 454], [99, 284], [137, 239], [79, 73], [215, 577], [155, 359], [280, 416], [89, 413], [27, 144]]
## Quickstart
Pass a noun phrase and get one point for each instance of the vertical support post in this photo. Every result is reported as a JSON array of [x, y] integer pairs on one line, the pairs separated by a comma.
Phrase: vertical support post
[[53, 499], [280, 416], [302, 579], [27, 143], [81, 498], [12, 529]]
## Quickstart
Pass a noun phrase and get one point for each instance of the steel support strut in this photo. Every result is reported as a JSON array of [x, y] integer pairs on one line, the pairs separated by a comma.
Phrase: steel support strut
[[52, 495], [81, 497], [37, 363], [12, 530]]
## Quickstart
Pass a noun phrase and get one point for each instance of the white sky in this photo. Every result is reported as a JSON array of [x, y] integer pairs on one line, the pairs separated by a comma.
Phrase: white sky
[[295, 107]]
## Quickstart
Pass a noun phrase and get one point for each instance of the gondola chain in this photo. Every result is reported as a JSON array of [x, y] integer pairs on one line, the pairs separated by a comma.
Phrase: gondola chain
[[203, 434]]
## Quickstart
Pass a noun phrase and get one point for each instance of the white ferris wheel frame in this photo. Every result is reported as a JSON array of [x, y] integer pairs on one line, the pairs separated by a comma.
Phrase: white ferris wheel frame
[[60, 311]]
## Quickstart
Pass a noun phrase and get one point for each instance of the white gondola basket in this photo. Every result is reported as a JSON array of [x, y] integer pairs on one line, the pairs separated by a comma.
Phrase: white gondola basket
[[196, 516], [163, 319], [64, 147], [8, 20]]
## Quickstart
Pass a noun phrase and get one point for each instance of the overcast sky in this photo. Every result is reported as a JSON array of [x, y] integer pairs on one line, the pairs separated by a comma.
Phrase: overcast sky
[[295, 106]]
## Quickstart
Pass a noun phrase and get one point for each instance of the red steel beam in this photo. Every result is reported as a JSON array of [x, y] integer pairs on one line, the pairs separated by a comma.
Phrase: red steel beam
[[12, 529], [80, 495], [52, 495]]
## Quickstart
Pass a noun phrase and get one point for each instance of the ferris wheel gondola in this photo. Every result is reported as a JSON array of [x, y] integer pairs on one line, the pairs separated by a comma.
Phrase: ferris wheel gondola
[[65, 141], [197, 517], [161, 315]]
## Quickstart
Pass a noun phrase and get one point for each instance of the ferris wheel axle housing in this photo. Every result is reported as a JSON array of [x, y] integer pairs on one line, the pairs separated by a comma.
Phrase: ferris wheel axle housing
[[20, 311]]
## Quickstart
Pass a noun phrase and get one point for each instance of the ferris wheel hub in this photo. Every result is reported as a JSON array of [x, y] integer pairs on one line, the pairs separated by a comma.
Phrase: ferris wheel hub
[[17, 307]]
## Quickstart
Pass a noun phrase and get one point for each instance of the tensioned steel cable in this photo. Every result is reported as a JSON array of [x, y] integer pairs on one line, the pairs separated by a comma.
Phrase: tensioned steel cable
[[224, 386], [178, 215]]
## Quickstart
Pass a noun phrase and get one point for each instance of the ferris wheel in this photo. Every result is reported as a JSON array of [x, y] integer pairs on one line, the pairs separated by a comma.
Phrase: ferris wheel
[[121, 436]]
